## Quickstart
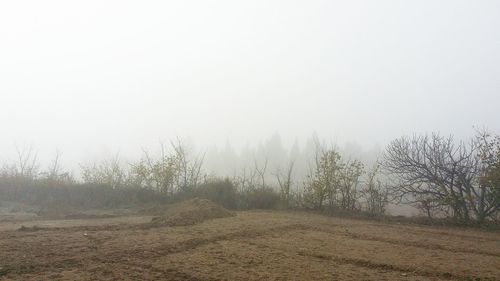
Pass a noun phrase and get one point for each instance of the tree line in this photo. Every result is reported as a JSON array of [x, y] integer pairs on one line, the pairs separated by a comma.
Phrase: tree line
[[441, 176]]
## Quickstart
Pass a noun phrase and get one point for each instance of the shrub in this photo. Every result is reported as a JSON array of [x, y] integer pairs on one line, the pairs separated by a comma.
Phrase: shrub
[[221, 191], [260, 198]]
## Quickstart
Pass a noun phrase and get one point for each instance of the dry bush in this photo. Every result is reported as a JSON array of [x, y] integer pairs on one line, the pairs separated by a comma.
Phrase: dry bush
[[220, 191], [260, 198]]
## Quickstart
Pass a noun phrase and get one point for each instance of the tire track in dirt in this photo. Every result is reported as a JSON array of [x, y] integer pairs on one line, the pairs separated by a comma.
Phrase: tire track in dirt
[[198, 242], [242, 236], [28, 268], [146, 226], [169, 274], [123, 255], [372, 265], [137, 256], [418, 229], [403, 242], [391, 267]]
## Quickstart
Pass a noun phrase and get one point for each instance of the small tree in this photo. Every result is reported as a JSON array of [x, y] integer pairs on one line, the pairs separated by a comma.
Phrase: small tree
[[261, 170], [489, 153], [245, 180], [189, 169], [375, 194], [54, 174], [108, 172], [348, 184], [160, 174], [24, 170], [171, 172], [285, 181], [323, 181]]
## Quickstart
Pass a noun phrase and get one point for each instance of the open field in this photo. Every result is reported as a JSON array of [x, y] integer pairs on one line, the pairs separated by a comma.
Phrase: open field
[[253, 245]]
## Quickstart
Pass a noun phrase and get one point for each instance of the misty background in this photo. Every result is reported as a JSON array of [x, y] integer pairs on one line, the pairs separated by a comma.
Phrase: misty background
[[238, 79]]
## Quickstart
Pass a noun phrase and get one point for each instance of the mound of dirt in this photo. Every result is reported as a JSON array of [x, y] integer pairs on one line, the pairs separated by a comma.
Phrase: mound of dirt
[[191, 212]]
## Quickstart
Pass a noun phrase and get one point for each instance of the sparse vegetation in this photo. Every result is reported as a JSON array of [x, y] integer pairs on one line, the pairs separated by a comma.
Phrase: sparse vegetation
[[250, 140], [440, 177]]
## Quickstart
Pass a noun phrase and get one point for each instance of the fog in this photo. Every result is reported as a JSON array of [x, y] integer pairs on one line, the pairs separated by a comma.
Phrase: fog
[[96, 78]]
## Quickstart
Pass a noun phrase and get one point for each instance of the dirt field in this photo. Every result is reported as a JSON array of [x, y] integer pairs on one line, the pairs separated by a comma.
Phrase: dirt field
[[253, 245]]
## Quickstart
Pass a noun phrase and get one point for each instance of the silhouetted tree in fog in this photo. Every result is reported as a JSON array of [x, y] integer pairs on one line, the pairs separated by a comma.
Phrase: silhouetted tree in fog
[[285, 181], [375, 193], [445, 173]]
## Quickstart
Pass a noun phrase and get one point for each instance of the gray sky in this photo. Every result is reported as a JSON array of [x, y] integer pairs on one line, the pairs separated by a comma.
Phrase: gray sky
[[93, 77]]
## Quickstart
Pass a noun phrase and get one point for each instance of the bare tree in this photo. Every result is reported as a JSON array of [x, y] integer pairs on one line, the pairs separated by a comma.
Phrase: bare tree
[[375, 194], [350, 172], [439, 168], [55, 167], [261, 171], [27, 162], [246, 179], [54, 173], [190, 169], [285, 181]]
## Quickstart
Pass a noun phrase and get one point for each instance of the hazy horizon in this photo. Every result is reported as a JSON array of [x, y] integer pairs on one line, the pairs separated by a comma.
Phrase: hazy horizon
[[96, 78]]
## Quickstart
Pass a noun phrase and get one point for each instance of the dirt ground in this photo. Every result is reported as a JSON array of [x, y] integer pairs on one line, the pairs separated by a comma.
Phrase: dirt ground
[[253, 245]]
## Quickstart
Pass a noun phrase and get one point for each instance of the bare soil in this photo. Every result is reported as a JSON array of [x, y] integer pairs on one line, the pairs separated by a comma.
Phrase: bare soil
[[191, 212], [251, 245]]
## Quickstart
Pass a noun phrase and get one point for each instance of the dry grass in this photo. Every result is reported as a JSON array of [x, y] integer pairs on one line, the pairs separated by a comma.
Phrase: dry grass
[[253, 245]]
